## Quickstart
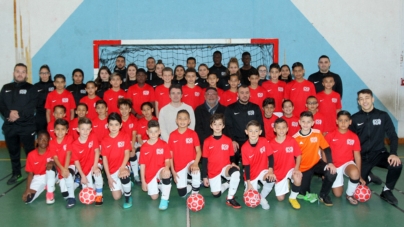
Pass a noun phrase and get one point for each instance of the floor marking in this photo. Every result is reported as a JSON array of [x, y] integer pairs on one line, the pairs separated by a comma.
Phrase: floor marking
[[398, 208], [188, 218], [4, 193], [10, 174]]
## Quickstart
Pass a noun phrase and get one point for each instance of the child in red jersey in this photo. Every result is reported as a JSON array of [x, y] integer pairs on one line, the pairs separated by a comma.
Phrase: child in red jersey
[[41, 171], [346, 147], [186, 153], [255, 156], [257, 93], [100, 123], [62, 151], [319, 119], [86, 153], [140, 92], [275, 87], [90, 99], [112, 95], [230, 96], [218, 162], [286, 163], [60, 96], [59, 112], [81, 112], [269, 118], [329, 103], [161, 91], [293, 121], [155, 165], [115, 148], [192, 94]]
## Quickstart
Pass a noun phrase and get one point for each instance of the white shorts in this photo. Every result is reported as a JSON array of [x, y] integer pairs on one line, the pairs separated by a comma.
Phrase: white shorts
[[183, 176], [279, 114], [339, 181], [282, 187], [254, 182], [117, 184], [152, 186], [216, 182]]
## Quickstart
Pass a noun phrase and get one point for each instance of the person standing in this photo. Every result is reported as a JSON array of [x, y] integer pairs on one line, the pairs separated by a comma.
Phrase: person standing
[[324, 64], [18, 101], [43, 87]]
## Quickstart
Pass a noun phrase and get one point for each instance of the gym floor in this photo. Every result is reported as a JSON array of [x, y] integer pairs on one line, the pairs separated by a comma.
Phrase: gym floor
[[375, 212]]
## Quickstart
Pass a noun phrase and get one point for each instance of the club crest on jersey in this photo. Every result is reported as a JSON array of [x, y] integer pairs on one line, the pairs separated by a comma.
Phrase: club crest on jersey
[[289, 149], [120, 96], [23, 92], [49, 159], [295, 124], [260, 95], [189, 140], [146, 92], [131, 125], [51, 89], [313, 139], [90, 144], [350, 142], [250, 112], [262, 150], [65, 100], [121, 144], [319, 121], [273, 125], [106, 125], [377, 122], [306, 89], [225, 147], [280, 89], [159, 151], [82, 91], [334, 100], [64, 147], [197, 94]]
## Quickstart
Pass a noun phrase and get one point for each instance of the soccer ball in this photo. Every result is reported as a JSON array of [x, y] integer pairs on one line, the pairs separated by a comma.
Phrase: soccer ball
[[87, 196], [195, 202], [362, 193], [252, 198]]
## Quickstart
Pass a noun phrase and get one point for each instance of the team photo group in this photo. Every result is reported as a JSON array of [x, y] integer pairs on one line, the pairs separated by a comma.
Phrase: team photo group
[[226, 128]]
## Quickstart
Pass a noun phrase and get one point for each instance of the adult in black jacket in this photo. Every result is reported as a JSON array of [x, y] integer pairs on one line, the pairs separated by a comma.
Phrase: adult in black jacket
[[18, 101], [324, 64], [237, 115], [120, 67], [205, 111], [43, 87], [78, 89], [371, 125]]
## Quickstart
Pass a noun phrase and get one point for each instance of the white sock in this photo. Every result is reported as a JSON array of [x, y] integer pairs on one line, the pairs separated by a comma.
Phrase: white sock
[[386, 188], [293, 195], [351, 188], [127, 189], [62, 185], [165, 191], [70, 185], [50, 180], [369, 179], [224, 187], [196, 181], [135, 167], [98, 184], [234, 181], [266, 189]]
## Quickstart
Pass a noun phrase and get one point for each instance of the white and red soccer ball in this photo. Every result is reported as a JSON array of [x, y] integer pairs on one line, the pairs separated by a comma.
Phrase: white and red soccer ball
[[252, 198], [87, 196], [195, 202], [362, 193]]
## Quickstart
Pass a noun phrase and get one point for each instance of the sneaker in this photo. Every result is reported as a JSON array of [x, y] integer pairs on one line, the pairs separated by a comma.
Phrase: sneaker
[[295, 204], [389, 197], [71, 202], [163, 204], [264, 204], [351, 200], [233, 203], [375, 179], [309, 197], [50, 198], [14, 179], [326, 200], [99, 200], [128, 202]]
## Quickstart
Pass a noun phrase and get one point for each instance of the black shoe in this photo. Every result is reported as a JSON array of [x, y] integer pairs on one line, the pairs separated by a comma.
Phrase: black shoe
[[14, 179], [326, 200], [389, 197], [375, 179], [233, 203]]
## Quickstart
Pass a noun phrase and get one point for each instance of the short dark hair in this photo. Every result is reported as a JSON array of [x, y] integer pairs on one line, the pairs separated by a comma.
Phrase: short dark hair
[[191, 58], [246, 54], [121, 56], [253, 123], [141, 70], [101, 102], [306, 114], [311, 97], [23, 65], [62, 122], [365, 91], [146, 104], [59, 76], [84, 120], [280, 120], [323, 56], [91, 82], [232, 75], [327, 75], [125, 102], [268, 101], [344, 113], [175, 86], [61, 107], [82, 104], [190, 70], [115, 74], [243, 86], [297, 64], [274, 66], [150, 58], [43, 132], [168, 69], [217, 116], [183, 111], [285, 101], [211, 74], [153, 124], [253, 72], [78, 70], [217, 52], [114, 117]]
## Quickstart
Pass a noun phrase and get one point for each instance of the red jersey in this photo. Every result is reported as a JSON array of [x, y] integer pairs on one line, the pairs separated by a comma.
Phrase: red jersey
[[111, 98], [36, 163], [192, 96], [319, 121], [74, 128], [275, 91], [256, 157], [343, 146], [100, 128], [269, 124], [65, 98], [51, 129], [328, 106], [293, 124], [162, 96], [114, 149], [129, 126], [258, 95], [228, 97], [183, 147], [85, 152], [141, 127], [218, 153], [154, 157], [60, 150], [284, 156], [298, 93], [91, 106], [139, 95]]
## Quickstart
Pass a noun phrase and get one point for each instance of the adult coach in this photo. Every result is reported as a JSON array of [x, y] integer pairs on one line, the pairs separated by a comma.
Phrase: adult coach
[[18, 102], [324, 64], [168, 114], [204, 112], [371, 125], [237, 115], [120, 67]]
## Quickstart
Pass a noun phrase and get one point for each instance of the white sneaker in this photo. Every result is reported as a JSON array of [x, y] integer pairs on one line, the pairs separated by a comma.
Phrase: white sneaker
[[224, 186], [264, 203]]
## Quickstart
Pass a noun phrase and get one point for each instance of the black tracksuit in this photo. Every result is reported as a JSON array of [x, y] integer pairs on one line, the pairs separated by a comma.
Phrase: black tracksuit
[[126, 84], [22, 97], [222, 75], [245, 74], [202, 118], [78, 91], [121, 72], [102, 88], [317, 80], [202, 83], [371, 128], [43, 88]]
